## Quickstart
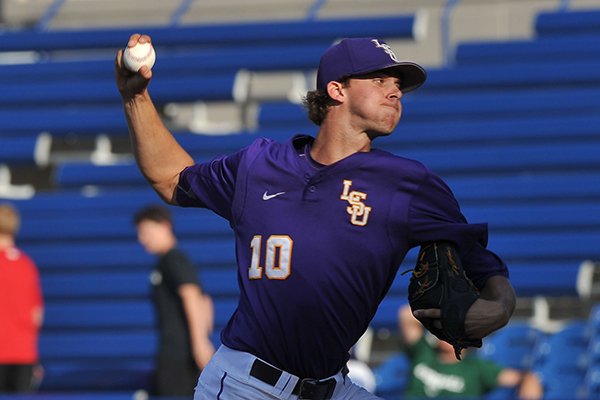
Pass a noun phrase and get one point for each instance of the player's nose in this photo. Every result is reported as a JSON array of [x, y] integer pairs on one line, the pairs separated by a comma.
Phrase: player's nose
[[395, 92]]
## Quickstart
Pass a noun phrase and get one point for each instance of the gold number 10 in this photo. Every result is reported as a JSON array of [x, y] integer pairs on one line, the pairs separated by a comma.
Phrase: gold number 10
[[277, 260]]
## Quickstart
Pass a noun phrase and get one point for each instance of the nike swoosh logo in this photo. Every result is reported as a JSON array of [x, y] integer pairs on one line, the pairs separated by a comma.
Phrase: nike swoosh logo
[[270, 196]]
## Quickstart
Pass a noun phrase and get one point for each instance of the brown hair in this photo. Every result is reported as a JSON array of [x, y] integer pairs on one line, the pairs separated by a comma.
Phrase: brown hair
[[9, 219], [153, 213], [317, 103]]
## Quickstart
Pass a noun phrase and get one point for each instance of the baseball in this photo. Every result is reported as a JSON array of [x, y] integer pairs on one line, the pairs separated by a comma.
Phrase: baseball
[[137, 56]]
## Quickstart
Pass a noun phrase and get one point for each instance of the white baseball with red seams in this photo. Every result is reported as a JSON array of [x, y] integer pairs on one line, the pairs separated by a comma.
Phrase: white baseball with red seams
[[137, 56]]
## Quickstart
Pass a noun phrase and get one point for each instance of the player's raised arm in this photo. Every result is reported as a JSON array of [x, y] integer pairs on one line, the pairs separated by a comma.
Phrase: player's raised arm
[[158, 155]]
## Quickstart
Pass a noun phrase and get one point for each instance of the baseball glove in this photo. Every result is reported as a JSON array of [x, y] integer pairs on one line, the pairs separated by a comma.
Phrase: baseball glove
[[439, 281]]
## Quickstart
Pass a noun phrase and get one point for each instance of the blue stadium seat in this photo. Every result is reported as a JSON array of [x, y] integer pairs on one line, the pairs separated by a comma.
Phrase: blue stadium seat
[[74, 203], [495, 77], [592, 382], [501, 393], [99, 314], [544, 245], [594, 321], [119, 254], [568, 23], [119, 225], [391, 376], [551, 352], [19, 150], [210, 61], [506, 158], [523, 187], [553, 278], [140, 344], [81, 174], [511, 346], [58, 93], [63, 120], [215, 35], [561, 385], [83, 285], [561, 361], [74, 395], [554, 49], [546, 216], [94, 379], [220, 282], [500, 130]]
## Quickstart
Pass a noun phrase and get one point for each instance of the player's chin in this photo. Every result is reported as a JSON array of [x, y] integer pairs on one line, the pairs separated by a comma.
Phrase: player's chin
[[388, 127]]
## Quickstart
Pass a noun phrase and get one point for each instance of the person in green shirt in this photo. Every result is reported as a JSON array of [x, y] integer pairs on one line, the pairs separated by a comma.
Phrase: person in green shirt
[[435, 371]]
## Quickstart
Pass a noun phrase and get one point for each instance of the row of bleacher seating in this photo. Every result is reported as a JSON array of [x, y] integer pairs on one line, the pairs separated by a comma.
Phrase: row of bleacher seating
[[63, 106], [501, 163], [282, 33], [502, 159]]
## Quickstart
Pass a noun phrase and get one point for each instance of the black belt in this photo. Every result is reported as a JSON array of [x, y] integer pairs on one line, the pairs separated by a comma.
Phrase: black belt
[[309, 389]]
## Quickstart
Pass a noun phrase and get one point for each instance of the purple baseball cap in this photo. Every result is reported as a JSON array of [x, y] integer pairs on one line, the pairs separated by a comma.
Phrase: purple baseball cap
[[359, 56]]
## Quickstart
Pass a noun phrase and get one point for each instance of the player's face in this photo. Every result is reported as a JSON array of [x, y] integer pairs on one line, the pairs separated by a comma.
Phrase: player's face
[[374, 102], [154, 236]]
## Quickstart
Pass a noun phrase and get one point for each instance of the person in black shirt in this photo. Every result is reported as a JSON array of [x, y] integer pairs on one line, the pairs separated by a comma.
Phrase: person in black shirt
[[184, 311]]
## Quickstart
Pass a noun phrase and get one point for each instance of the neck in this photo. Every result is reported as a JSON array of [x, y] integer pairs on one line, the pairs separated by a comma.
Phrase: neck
[[6, 241], [336, 141]]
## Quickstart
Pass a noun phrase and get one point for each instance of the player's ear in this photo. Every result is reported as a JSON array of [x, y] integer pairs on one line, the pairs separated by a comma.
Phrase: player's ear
[[335, 91]]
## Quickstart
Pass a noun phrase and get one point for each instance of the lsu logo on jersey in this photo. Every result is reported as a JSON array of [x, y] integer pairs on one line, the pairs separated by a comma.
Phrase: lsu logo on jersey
[[359, 212]]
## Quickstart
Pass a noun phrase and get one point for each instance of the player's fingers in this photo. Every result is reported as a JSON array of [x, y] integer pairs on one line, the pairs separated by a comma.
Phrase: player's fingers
[[120, 70], [145, 72], [133, 39], [434, 313], [144, 39], [119, 59]]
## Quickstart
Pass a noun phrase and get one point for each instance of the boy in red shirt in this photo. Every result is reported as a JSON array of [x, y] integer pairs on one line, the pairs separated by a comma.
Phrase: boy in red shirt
[[21, 309]]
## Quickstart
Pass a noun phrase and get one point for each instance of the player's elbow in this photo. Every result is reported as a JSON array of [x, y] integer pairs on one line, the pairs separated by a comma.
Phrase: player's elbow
[[499, 290]]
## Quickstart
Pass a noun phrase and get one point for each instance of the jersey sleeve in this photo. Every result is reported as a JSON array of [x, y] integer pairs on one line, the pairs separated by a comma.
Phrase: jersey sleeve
[[434, 214], [212, 184]]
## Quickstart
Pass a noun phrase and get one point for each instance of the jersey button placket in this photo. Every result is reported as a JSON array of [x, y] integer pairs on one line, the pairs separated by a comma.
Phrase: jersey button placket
[[311, 189]]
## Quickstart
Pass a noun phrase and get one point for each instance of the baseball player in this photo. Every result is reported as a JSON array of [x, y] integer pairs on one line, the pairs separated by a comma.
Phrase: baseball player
[[321, 226]]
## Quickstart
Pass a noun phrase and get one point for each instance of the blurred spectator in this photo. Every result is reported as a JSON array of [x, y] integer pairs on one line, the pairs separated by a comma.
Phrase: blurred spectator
[[184, 311], [21, 310], [435, 371]]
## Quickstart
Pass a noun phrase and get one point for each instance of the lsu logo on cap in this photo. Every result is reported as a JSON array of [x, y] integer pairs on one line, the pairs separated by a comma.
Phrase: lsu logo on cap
[[359, 212], [385, 47]]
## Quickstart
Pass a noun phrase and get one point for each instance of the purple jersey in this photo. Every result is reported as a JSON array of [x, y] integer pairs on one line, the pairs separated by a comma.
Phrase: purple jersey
[[319, 246]]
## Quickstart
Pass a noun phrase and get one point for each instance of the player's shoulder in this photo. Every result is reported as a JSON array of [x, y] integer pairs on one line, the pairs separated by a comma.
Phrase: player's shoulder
[[400, 165], [276, 146], [262, 143]]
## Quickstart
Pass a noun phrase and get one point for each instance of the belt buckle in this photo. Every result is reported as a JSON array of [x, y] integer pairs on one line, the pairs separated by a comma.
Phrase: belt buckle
[[313, 389]]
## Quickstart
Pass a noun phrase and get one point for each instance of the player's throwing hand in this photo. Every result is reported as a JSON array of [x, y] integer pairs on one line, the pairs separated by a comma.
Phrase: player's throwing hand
[[130, 83]]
